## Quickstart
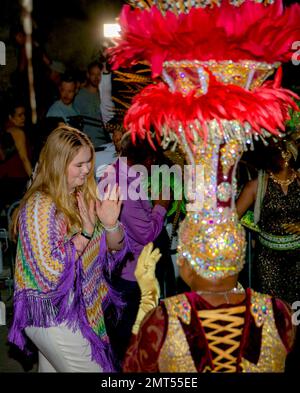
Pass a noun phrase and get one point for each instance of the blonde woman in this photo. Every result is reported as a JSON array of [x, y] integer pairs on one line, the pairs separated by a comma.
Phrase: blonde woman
[[68, 243]]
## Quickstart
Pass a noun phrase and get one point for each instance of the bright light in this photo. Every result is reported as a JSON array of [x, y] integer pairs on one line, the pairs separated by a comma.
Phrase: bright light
[[111, 30]]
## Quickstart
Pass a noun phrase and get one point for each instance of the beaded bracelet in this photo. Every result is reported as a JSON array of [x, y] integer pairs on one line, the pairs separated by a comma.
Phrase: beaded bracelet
[[112, 229]]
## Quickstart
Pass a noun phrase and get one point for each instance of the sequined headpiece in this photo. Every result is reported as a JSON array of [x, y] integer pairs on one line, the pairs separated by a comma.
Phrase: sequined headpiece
[[212, 98]]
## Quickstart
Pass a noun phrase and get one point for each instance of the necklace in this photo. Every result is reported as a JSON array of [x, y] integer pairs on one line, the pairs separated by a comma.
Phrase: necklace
[[236, 290], [283, 183]]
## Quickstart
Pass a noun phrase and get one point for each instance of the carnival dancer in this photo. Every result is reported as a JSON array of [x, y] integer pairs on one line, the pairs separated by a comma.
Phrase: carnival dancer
[[213, 100]]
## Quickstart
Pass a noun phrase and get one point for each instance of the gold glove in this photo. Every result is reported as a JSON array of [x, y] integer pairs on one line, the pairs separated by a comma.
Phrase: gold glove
[[145, 275]]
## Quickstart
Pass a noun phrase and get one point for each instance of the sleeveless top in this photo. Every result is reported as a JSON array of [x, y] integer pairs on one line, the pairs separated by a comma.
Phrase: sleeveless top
[[273, 208]]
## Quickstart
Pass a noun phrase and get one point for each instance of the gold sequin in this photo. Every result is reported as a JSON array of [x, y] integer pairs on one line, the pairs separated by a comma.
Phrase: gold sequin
[[230, 152], [184, 6], [273, 353], [184, 74], [210, 237], [261, 307], [175, 354]]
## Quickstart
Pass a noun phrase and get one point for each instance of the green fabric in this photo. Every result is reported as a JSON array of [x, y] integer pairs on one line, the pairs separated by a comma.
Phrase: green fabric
[[156, 188], [279, 243], [248, 221]]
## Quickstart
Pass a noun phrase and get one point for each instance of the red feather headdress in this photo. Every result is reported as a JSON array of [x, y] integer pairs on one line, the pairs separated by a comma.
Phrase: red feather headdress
[[155, 106], [214, 62], [253, 32]]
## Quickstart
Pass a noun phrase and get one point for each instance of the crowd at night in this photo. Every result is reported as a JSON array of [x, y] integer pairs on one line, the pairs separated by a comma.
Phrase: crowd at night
[[150, 187]]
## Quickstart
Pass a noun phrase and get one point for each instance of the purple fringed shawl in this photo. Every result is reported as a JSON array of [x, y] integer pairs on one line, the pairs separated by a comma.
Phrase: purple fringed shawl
[[52, 287]]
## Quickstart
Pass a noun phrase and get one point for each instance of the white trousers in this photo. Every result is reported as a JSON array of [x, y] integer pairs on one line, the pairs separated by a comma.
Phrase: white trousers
[[62, 350]]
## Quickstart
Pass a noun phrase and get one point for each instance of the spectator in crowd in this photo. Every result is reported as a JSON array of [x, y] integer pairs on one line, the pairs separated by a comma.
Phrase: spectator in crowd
[[64, 108], [15, 164], [143, 223], [107, 106], [275, 195], [87, 104], [55, 71]]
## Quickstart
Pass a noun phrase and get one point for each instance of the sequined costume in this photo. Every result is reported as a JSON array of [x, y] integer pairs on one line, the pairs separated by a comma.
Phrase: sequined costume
[[278, 254], [184, 334], [49, 279], [206, 53], [214, 59]]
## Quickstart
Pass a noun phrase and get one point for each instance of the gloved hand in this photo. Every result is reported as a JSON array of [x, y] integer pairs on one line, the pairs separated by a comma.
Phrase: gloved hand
[[145, 275]]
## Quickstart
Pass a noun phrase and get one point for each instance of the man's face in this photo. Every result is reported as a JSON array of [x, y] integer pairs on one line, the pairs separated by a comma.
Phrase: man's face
[[94, 76], [67, 92]]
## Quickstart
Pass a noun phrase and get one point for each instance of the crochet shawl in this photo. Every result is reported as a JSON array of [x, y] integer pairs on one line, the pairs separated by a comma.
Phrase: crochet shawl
[[53, 287]]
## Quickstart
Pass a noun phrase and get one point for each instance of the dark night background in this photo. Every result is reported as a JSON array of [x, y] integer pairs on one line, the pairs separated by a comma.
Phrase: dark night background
[[72, 31]]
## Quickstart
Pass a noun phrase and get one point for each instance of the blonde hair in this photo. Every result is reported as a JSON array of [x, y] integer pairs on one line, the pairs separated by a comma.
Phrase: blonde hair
[[62, 145]]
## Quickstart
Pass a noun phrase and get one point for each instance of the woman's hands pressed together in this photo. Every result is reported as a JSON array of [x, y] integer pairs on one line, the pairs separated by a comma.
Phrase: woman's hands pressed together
[[107, 211]]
